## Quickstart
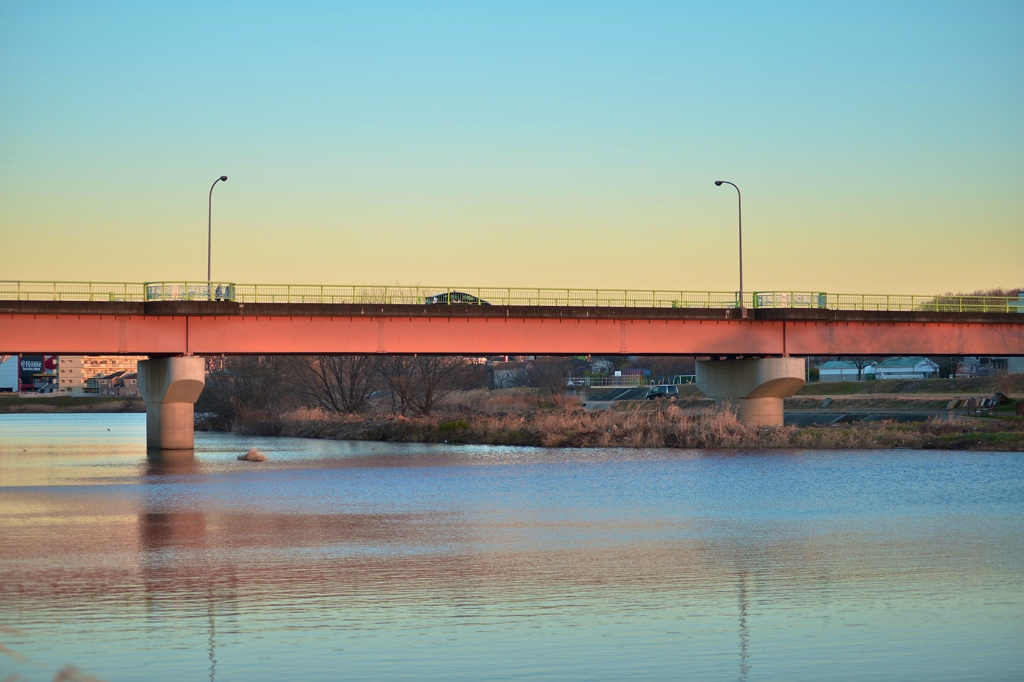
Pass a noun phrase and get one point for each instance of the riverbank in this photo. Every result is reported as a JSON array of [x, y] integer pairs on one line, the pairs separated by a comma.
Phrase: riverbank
[[13, 404], [669, 427], [532, 417]]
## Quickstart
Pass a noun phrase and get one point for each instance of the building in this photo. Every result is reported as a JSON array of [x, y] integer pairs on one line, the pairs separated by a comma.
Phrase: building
[[981, 367], [9, 373], [121, 384], [79, 374], [37, 373], [511, 374], [847, 370], [107, 384], [129, 386], [837, 370], [914, 367]]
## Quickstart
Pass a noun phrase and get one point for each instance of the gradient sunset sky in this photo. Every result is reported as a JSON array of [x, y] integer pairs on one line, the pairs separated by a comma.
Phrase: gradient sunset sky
[[879, 146]]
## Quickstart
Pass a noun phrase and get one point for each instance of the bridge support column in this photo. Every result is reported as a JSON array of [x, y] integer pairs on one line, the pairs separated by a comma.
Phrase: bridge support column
[[170, 388], [756, 386]]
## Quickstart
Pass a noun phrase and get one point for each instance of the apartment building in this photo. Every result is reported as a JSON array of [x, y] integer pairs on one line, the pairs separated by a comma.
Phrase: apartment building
[[79, 374]]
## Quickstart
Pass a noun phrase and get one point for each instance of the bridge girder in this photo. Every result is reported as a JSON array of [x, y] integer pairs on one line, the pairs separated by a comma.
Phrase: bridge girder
[[290, 329]]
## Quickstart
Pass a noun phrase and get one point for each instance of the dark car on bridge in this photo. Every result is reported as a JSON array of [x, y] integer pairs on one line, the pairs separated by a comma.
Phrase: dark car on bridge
[[454, 298]]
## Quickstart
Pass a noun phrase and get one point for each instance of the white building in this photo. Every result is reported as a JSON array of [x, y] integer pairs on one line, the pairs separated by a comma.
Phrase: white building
[[837, 370], [914, 367], [845, 370], [9, 373]]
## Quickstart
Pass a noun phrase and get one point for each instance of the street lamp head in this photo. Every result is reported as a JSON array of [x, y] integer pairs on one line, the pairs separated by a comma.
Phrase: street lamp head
[[223, 178], [739, 206]]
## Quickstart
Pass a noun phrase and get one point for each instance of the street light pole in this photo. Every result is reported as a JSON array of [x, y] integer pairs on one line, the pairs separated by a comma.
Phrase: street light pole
[[209, 228], [739, 199]]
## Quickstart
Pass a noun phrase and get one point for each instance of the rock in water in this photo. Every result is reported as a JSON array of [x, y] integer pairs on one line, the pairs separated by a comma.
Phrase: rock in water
[[253, 455]]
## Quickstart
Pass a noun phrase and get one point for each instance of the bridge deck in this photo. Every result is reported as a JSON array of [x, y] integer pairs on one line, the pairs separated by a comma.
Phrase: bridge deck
[[220, 308], [229, 327]]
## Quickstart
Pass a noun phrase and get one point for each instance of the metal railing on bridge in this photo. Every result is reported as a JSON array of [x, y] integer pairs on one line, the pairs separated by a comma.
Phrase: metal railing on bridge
[[71, 291], [504, 296], [632, 380]]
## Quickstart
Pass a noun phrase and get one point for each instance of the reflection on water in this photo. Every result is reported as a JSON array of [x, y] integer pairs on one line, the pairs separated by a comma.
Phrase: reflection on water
[[171, 463], [744, 635], [380, 561]]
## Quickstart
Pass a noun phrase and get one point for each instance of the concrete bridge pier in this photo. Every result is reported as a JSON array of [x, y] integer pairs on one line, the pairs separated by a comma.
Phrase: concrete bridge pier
[[756, 386], [170, 388]]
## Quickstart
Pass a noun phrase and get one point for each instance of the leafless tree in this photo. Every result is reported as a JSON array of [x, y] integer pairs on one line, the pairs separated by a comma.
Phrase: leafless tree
[[1001, 291], [248, 383], [860, 362], [260, 381], [418, 383], [550, 373], [337, 383]]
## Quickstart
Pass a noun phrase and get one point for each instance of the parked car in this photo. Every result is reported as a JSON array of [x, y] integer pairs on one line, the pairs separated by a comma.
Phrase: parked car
[[663, 392], [454, 298]]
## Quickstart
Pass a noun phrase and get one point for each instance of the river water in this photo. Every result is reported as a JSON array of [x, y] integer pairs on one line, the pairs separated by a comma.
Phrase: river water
[[340, 560]]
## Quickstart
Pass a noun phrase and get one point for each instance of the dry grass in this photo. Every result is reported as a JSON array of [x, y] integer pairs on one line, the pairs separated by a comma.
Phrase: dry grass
[[528, 416], [505, 401], [313, 414], [576, 427], [669, 426]]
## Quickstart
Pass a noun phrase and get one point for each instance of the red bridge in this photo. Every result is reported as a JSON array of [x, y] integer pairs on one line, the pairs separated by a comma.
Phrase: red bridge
[[225, 327], [753, 353]]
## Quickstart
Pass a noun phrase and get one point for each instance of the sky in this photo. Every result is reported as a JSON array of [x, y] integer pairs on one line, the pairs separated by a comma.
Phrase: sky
[[879, 146]]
